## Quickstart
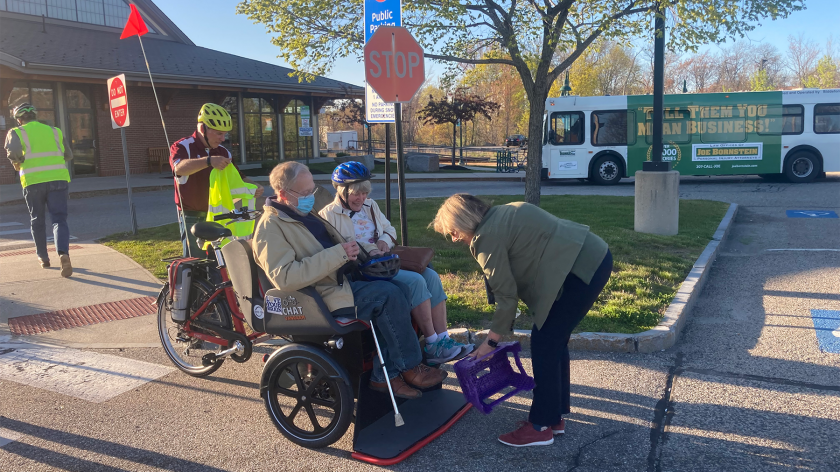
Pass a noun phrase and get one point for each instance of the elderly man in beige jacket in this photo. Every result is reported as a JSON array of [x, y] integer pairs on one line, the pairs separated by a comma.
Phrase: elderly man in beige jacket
[[296, 248]]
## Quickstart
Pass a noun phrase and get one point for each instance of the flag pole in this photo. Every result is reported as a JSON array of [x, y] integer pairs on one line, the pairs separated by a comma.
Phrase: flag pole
[[182, 220]]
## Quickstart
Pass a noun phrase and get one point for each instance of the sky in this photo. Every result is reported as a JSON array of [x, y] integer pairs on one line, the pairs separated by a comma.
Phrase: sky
[[199, 21]]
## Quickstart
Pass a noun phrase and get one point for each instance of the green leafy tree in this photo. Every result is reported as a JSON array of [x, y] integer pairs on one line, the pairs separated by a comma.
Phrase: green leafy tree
[[825, 76], [760, 81], [538, 38]]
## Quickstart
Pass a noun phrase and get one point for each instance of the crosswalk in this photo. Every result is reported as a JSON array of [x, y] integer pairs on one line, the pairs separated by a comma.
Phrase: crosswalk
[[14, 228]]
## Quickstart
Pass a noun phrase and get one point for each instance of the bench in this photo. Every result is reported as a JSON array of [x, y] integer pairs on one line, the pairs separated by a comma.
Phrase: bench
[[158, 156]]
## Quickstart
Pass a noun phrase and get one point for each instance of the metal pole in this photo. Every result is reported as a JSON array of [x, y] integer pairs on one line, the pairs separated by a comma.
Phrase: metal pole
[[131, 211], [656, 163], [401, 175], [388, 171]]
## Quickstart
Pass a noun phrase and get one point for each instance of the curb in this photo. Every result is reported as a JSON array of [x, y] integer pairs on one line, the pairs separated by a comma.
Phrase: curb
[[661, 337], [98, 193]]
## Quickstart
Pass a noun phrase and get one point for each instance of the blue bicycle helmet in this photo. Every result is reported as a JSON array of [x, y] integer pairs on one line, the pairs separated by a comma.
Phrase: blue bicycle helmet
[[383, 267], [350, 172]]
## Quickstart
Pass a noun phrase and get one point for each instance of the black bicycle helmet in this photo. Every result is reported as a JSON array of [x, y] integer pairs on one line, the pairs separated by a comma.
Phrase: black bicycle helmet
[[350, 172], [378, 268], [22, 109]]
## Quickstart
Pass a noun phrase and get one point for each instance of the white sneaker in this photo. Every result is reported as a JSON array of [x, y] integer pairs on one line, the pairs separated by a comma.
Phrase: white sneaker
[[441, 351]]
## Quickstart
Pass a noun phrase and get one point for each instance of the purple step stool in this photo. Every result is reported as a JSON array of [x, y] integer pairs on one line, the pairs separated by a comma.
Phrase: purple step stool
[[500, 377]]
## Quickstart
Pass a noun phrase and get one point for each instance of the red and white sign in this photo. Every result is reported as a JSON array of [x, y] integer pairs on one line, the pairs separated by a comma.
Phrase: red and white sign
[[119, 102], [394, 65]]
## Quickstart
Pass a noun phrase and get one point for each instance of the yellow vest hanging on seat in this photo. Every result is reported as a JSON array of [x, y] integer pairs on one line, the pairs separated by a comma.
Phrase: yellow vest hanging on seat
[[226, 186]]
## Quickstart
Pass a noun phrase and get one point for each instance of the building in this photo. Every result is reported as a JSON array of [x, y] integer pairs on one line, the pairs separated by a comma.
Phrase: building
[[58, 54]]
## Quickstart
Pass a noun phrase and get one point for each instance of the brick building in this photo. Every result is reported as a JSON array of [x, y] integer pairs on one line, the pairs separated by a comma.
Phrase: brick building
[[58, 54]]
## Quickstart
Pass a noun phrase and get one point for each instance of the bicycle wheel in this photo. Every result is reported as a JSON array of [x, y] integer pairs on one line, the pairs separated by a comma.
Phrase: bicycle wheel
[[184, 350]]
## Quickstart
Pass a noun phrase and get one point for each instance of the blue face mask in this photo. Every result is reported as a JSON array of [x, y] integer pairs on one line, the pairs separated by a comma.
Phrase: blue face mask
[[305, 204]]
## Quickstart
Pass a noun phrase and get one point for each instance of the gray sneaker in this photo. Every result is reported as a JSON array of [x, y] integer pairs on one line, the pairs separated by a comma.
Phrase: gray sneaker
[[441, 352], [465, 348]]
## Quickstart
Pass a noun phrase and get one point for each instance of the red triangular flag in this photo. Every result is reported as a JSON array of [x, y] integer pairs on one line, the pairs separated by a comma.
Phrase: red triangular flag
[[134, 25]]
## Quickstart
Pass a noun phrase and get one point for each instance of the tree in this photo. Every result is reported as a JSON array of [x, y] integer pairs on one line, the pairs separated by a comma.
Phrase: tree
[[802, 56], [760, 81], [825, 75], [540, 39], [461, 108]]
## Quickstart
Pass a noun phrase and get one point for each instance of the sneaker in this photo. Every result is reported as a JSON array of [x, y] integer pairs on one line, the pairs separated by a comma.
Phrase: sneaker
[[465, 348], [400, 388], [66, 268], [559, 428], [45, 263], [526, 435], [422, 376], [441, 351]]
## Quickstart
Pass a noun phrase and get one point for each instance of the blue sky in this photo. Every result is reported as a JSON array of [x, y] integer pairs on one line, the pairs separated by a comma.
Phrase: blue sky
[[199, 19]]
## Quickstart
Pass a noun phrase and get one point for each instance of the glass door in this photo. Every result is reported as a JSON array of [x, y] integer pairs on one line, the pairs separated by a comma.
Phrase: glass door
[[81, 133]]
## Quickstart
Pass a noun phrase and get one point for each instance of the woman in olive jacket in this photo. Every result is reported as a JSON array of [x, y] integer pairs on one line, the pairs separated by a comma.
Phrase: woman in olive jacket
[[557, 267]]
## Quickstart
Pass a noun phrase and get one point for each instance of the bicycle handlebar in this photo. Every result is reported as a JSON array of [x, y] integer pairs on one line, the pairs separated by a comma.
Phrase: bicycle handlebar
[[244, 215]]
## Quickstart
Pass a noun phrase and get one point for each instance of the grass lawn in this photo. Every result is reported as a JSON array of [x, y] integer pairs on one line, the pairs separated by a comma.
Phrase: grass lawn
[[648, 269], [379, 169]]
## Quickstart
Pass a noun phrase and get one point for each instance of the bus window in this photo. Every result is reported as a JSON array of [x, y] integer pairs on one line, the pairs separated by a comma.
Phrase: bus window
[[827, 118], [613, 128], [566, 128], [675, 126], [792, 116], [774, 120]]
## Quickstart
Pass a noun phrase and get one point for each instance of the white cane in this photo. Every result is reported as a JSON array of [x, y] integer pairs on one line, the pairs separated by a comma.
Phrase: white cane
[[398, 419]]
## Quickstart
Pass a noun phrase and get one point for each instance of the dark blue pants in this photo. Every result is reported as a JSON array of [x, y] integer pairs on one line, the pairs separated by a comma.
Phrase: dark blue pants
[[550, 345], [53, 196]]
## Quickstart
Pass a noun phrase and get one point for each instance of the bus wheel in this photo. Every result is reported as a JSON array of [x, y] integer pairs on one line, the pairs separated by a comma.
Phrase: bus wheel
[[607, 170], [802, 167]]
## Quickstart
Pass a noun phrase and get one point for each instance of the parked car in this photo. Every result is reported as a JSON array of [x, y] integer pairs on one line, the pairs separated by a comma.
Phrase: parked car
[[516, 140]]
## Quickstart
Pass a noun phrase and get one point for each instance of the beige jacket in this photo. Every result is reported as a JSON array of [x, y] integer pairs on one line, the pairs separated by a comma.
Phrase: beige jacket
[[293, 259], [340, 218]]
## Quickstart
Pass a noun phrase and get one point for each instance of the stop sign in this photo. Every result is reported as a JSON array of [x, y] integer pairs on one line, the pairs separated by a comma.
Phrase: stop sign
[[118, 101], [394, 64]]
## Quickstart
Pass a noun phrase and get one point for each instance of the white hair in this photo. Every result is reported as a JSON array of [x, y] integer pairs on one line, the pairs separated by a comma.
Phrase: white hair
[[283, 176]]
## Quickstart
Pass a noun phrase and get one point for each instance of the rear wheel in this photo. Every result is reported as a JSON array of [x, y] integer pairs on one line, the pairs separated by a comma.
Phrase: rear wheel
[[184, 350], [311, 407], [607, 170], [802, 167]]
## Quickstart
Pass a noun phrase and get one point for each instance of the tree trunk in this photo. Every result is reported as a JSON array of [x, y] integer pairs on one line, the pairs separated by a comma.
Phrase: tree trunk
[[454, 141], [533, 171]]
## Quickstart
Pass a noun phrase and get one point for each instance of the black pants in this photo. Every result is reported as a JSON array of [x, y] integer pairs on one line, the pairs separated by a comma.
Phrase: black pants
[[550, 345]]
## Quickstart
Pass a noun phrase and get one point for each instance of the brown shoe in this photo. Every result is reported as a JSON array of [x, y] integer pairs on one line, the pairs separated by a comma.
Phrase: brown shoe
[[401, 389], [423, 376], [45, 263], [66, 268]]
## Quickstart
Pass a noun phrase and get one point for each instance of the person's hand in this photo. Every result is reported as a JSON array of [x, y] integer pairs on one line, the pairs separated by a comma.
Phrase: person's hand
[[352, 249], [260, 190], [16, 165], [375, 252], [382, 245], [482, 350], [219, 162]]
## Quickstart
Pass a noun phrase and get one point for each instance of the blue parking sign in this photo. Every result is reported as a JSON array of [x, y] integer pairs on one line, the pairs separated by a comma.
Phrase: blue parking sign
[[827, 325], [811, 214], [381, 12]]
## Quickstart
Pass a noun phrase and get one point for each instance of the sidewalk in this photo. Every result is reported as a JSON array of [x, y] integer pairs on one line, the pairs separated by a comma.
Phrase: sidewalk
[[103, 302]]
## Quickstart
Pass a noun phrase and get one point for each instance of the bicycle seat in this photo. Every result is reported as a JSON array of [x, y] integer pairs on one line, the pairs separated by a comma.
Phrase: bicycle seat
[[209, 231]]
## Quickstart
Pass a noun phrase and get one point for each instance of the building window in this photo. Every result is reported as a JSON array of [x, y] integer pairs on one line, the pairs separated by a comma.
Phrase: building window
[[260, 130], [97, 12], [39, 94], [232, 140], [613, 128], [295, 146], [566, 128], [827, 118]]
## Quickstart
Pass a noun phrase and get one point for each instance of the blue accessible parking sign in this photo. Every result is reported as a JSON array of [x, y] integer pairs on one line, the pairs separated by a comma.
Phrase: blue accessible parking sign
[[827, 325], [811, 214]]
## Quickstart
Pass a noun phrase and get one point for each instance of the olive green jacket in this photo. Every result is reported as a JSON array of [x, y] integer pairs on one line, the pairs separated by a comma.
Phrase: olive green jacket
[[526, 253]]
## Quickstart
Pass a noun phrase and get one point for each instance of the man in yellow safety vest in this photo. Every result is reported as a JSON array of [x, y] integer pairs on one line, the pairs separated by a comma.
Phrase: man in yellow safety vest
[[37, 152]]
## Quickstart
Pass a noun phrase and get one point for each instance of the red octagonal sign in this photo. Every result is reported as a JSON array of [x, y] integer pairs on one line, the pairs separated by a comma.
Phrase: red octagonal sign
[[394, 64]]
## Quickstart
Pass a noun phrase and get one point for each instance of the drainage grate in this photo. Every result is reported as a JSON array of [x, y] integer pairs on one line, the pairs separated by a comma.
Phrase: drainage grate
[[83, 316], [24, 252]]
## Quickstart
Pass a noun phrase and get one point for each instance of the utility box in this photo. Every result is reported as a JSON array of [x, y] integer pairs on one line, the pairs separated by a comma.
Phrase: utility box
[[342, 140]]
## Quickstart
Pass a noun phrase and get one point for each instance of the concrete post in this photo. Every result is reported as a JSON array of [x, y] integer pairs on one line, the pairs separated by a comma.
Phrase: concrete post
[[240, 119], [316, 138], [281, 156], [657, 208]]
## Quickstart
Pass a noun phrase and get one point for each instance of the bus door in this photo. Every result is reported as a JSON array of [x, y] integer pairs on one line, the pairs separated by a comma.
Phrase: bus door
[[567, 157]]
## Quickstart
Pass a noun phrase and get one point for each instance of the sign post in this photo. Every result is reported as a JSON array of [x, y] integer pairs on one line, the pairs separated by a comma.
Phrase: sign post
[[118, 100], [394, 67]]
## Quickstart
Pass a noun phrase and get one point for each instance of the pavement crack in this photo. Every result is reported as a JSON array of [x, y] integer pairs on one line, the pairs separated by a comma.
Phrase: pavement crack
[[761, 378], [662, 414], [581, 448]]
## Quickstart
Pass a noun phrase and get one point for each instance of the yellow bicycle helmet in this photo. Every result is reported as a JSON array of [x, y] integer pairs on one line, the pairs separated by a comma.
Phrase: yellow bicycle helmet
[[215, 117]]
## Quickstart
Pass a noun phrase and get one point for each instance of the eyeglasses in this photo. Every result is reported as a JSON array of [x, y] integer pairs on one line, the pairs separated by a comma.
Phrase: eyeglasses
[[300, 195]]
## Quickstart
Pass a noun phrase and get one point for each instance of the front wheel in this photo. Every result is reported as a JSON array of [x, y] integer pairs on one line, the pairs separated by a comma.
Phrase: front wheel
[[802, 167], [184, 350], [607, 170]]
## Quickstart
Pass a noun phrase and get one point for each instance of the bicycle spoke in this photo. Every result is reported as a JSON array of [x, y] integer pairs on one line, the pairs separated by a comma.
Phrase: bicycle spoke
[[314, 383], [294, 412], [325, 403], [313, 418]]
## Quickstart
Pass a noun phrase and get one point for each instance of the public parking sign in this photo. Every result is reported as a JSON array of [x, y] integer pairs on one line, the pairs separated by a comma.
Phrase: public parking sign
[[381, 13], [394, 64], [118, 101]]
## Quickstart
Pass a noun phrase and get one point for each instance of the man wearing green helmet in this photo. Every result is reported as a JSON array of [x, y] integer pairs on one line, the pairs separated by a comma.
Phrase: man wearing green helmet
[[38, 153], [192, 159]]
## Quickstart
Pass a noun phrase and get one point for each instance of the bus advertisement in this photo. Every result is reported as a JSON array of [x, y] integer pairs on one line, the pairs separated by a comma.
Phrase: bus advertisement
[[792, 133]]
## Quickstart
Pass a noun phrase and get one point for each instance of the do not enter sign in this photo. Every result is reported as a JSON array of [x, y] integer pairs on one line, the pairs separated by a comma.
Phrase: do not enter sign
[[394, 64], [119, 101]]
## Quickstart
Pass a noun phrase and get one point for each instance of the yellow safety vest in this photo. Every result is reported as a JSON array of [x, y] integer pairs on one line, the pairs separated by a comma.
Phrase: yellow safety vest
[[226, 186], [43, 151]]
